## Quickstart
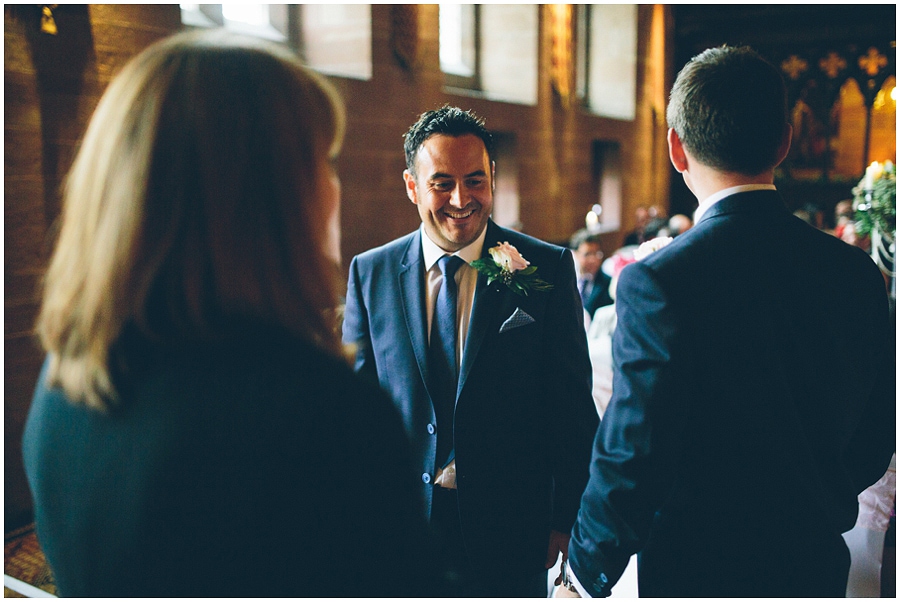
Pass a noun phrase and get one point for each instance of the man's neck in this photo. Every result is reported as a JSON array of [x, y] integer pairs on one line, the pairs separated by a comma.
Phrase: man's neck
[[706, 181], [469, 253]]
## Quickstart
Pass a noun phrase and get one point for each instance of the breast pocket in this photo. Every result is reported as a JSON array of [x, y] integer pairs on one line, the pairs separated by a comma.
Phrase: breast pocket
[[518, 319]]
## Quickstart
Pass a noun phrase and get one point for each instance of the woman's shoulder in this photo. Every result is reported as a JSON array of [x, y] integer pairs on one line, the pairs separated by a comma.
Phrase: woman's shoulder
[[254, 368]]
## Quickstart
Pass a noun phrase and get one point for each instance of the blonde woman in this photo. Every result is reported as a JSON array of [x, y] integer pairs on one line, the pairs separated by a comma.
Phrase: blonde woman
[[196, 430]]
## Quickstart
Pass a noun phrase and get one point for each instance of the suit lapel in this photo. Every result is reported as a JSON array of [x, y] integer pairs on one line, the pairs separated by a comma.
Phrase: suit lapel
[[411, 280], [486, 304]]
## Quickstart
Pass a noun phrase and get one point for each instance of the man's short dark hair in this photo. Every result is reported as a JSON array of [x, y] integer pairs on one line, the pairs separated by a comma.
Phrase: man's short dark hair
[[583, 236], [729, 109], [450, 121]]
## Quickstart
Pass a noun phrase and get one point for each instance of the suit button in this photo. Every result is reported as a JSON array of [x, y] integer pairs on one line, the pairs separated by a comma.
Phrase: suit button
[[426, 478], [430, 429]]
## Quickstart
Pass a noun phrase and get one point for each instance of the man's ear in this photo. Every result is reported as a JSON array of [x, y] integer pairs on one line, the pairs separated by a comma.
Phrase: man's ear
[[411, 191], [676, 151], [785, 145], [493, 176]]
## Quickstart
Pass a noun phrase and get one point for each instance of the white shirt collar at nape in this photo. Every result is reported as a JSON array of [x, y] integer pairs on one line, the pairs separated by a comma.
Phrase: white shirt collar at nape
[[714, 198]]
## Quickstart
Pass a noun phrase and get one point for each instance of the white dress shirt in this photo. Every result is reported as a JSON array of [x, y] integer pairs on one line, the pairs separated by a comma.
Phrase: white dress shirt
[[466, 278]]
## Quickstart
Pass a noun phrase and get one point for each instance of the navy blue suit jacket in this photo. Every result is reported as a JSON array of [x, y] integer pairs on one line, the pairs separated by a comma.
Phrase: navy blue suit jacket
[[753, 399], [524, 418]]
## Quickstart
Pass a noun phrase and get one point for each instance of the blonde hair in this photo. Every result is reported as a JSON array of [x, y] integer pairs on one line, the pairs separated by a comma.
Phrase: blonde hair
[[196, 196]]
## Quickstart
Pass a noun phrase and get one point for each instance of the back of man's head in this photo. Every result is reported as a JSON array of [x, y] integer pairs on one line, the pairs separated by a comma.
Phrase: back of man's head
[[729, 109]]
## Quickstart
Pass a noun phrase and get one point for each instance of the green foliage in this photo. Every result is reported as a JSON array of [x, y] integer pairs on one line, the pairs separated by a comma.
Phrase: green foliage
[[877, 209], [519, 282]]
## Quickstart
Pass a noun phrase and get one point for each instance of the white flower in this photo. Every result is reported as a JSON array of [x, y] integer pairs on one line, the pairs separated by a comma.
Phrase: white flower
[[650, 246], [507, 265], [508, 257]]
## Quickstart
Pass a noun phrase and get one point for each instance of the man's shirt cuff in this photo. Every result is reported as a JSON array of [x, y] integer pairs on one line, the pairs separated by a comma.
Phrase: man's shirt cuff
[[601, 585], [573, 579]]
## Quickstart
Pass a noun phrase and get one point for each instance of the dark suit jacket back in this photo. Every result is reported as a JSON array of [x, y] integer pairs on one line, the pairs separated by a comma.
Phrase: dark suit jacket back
[[753, 399]]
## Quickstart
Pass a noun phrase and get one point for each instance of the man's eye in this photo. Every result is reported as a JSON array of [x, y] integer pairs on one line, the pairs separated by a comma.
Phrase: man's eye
[[443, 186], [475, 182]]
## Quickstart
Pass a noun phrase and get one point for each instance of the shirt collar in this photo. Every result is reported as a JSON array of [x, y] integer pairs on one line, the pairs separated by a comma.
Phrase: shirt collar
[[718, 196], [469, 253]]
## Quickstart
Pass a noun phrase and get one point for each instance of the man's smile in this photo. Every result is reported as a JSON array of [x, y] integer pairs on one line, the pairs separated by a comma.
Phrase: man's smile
[[459, 214]]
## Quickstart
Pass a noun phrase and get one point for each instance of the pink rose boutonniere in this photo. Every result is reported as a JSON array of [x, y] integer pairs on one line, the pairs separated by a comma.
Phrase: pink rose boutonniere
[[509, 267]]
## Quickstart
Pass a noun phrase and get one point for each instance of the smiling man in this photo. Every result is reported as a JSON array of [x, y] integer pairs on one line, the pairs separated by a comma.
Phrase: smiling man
[[493, 381]]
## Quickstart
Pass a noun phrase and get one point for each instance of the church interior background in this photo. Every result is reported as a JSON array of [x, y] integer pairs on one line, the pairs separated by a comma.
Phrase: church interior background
[[575, 95]]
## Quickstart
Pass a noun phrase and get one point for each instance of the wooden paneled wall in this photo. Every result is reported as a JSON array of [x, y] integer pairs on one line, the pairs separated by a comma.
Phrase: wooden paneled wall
[[52, 85]]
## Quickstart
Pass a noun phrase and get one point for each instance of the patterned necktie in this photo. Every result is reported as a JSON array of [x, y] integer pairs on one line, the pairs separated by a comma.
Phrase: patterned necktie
[[442, 355]]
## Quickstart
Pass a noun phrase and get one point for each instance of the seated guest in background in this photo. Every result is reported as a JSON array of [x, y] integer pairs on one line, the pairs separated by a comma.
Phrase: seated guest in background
[[196, 430], [724, 458], [593, 284]]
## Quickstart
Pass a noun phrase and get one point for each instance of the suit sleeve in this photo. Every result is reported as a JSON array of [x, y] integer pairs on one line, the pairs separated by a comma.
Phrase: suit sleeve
[[628, 472], [569, 373], [356, 331], [874, 439]]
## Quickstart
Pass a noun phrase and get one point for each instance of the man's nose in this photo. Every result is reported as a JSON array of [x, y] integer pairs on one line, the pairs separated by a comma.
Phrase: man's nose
[[456, 197]]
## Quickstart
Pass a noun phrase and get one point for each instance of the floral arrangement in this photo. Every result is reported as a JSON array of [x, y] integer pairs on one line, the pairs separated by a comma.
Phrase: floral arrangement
[[509, 267], [875, 200]]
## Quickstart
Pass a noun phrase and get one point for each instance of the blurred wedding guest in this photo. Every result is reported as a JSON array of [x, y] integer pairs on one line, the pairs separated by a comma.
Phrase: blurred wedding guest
[[600, 332], [811, 214], [593, 284], [843, 217], [678, 224], [642, 216], [866, 539], [603, 323], [196, 429], [724, 459]]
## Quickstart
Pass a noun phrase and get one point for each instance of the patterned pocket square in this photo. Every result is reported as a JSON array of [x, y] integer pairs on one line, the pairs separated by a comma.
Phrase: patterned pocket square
[[518, 318]]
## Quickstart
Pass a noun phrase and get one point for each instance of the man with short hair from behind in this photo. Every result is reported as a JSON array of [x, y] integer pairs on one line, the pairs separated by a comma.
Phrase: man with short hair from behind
[[729, 459]]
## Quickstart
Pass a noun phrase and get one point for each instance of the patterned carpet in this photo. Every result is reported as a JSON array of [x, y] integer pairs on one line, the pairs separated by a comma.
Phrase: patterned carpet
[[23, 560]]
